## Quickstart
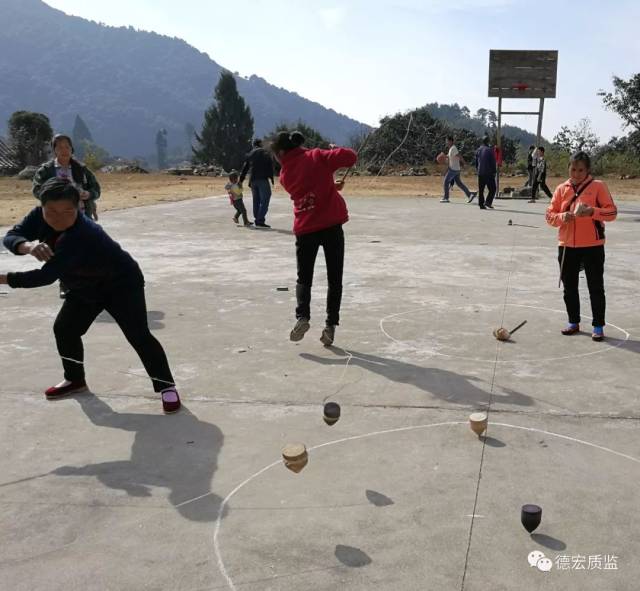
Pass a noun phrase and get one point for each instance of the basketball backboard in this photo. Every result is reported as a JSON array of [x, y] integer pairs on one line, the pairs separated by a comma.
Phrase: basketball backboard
[[522, 74]]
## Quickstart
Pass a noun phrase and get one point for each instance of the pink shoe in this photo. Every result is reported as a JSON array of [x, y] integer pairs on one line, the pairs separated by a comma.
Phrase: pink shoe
[[170, 400], [60, 391]]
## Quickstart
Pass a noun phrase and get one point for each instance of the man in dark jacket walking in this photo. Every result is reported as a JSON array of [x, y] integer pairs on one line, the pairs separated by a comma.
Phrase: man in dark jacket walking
[[486, 166], [260, 163]]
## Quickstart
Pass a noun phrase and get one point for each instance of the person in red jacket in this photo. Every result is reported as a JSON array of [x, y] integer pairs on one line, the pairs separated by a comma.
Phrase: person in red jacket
[[319, 213], [579, 208]]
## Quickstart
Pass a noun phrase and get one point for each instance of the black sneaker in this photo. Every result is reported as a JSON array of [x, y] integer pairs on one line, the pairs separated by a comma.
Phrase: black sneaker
[[301, 327], [262, 225], [328, 334], [471, 197]]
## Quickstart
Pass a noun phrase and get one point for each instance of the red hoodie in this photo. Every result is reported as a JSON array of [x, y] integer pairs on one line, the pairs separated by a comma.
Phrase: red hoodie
[[307, 175]]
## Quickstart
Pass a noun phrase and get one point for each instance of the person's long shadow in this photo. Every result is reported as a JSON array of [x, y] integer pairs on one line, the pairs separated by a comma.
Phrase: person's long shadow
[[443, 384], [178, 452]]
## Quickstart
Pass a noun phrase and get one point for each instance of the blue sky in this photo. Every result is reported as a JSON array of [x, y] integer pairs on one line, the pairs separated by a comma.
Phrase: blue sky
[[371, 58]]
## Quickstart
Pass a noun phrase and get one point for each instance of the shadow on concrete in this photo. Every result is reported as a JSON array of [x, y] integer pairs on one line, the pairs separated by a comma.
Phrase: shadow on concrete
[[378, 499], [549, 542], [493, 442], [154, 318], [350, 556], [178, 452], [445, 385]]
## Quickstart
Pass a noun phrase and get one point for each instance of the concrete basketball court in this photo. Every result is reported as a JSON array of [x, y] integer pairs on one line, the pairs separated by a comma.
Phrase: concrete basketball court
[[104, 492]]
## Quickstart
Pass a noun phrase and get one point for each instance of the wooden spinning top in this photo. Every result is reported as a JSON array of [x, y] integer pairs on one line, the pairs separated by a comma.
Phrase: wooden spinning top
[[295, 456], [531, 516], [502, 334], [331, 413], [510, 223], [478, 422]]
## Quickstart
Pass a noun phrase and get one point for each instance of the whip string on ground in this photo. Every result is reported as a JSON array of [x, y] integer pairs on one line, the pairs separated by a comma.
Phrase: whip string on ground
[[488, 411], [126, 373], [341, 383]]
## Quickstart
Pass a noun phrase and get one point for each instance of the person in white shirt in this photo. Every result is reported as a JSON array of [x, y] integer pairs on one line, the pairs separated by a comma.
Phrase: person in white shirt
[[455, 162]]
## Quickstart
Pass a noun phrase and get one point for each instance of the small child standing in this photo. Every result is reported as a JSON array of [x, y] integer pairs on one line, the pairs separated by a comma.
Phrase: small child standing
[[234, 190]]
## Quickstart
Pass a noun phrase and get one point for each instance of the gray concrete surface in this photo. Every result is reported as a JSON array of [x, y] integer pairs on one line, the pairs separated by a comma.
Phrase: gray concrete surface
[[104, 492]]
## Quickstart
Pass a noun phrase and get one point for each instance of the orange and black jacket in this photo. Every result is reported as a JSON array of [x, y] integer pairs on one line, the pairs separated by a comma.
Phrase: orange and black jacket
[[581, 231]]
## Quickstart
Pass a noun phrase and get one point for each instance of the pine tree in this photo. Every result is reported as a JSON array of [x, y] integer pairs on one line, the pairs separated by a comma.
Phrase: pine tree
[[29, 136], [81, 137], [228, 127]]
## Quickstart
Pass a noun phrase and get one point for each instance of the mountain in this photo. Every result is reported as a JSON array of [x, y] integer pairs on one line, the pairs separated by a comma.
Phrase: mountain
[[461, 117], [127, 84]]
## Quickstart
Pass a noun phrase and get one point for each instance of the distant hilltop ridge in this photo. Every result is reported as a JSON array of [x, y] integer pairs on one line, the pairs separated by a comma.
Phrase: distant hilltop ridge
[[127, 84]]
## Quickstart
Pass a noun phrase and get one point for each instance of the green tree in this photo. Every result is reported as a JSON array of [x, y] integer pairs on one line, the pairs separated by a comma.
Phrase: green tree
[[312, 137], [581, 137], [227, 130], [624, 100], [81, 136], [30, 136], [161, 148]]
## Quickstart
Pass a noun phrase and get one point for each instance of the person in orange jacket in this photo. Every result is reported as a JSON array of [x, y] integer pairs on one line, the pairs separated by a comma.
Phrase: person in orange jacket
[[579, 209]]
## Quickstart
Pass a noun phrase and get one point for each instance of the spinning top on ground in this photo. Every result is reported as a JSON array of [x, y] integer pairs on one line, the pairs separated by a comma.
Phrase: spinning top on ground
[[331, 413], [531, 517], [510, 223], [502, 334], [295, 456], [478, 422]]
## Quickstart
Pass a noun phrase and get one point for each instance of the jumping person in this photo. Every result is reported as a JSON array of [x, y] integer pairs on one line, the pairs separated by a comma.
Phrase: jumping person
[[99, 275], [319, 213], [579, 208], [540, 176], [454, 161], [486, 166], [65, 166], [260, 164]]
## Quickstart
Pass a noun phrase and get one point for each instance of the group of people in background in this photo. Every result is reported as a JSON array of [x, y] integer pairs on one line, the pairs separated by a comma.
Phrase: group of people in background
[[486, 165]]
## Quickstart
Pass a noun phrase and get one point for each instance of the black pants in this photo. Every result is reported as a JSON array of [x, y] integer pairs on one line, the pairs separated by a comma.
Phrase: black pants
[[540, 184], [241, 210], [307, 245], [129, 309], [486, 181], [529, 182], [592, 258]]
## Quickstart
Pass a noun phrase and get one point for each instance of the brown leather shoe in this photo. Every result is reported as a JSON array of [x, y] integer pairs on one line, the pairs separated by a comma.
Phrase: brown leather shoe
[[570, 329]]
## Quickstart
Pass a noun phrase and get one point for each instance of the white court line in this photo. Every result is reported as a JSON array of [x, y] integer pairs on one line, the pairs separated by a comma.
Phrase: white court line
[[216, 542], [479, 360]]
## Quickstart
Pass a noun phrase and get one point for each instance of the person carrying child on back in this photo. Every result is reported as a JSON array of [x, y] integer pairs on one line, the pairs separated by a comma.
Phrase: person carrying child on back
[[234, 190], [540, 177]]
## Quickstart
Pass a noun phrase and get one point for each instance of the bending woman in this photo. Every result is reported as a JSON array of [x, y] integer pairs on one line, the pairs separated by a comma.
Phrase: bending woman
[[319, 213], [99, 276]]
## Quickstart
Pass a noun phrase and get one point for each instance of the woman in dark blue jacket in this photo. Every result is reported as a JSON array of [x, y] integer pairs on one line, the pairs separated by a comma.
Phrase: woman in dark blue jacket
[[98, 274]]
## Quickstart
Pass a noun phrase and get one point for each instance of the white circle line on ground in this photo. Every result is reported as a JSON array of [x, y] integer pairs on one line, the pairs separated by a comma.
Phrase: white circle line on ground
[[608, 347], [216, 543]]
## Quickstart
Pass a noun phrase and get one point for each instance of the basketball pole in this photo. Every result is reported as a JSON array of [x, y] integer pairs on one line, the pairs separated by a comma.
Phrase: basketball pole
[[499, 144], [540, 111]]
